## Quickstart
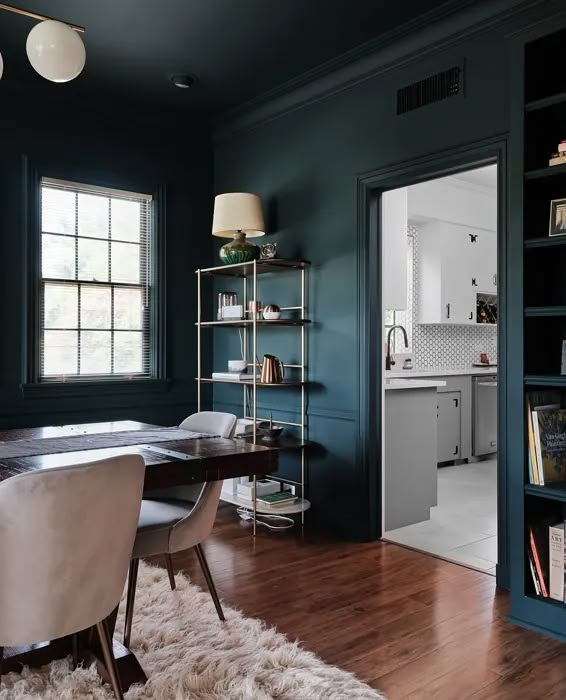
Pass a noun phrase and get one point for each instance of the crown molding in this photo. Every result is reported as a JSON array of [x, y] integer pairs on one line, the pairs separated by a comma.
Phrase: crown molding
[[427, 34]]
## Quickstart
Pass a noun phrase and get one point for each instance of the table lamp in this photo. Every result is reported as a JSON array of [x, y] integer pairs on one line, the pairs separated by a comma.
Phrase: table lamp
[[238, 215]]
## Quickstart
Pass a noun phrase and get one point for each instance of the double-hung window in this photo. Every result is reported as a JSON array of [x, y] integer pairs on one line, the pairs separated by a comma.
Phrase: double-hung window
[[95, 287]]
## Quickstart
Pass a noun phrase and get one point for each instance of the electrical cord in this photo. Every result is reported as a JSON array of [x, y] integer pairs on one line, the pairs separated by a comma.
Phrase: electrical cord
[[247, 514]]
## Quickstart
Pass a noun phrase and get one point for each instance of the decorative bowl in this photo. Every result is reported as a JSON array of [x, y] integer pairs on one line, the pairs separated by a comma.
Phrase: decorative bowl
[[271, 315]]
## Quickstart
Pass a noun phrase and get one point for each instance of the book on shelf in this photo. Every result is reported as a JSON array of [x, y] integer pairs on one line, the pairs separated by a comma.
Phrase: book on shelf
[[536, 584], [557, 159], [234, 376], [274, 500], [546, 437], [538, 550], [557, 561]]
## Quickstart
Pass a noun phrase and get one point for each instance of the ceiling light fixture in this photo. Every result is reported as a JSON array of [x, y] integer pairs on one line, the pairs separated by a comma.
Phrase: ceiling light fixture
[[183, 81], [55, 49]]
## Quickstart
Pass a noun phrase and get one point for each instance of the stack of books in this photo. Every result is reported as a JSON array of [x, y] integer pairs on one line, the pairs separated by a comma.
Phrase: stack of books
[[233, 376], [546, 430], [559, 158], [547, 558], [276, 500]]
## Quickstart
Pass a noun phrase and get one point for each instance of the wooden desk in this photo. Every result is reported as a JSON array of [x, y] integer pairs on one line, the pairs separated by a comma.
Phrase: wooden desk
[[206, 459]]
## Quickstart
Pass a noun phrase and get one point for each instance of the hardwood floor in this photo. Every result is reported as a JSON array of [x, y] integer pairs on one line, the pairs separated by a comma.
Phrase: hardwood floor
[[409, 624]]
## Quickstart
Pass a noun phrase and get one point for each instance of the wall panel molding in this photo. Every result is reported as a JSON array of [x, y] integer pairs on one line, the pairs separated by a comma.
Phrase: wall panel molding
[[434, 31]]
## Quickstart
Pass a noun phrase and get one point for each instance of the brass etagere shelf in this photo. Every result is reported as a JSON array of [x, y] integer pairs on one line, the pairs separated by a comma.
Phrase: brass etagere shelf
[[296, 318]]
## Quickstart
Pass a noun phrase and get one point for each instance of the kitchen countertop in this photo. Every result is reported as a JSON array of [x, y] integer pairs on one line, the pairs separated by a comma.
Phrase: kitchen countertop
[[407, 383], [440, 372]]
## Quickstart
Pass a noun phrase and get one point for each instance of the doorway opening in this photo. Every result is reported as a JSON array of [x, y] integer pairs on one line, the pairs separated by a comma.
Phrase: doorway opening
[[440, 304]]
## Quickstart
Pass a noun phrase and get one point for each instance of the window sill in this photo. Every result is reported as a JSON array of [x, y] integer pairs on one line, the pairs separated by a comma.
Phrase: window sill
[[95, 388]]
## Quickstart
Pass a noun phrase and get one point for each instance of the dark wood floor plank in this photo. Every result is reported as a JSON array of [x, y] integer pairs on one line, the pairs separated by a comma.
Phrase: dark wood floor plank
[[412, 625]]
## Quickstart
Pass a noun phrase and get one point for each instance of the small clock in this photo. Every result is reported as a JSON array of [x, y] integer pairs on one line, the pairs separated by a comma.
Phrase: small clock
[[268, 251]]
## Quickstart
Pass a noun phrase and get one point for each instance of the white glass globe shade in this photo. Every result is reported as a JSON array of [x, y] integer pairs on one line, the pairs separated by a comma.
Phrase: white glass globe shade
[[1, 65], [55, 51]]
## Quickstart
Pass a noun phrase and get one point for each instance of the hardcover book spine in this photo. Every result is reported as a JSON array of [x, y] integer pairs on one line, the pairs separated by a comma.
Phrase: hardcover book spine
[[557, 561]]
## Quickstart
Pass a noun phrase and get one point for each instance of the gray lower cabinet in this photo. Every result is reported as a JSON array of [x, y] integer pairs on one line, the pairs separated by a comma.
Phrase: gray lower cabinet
[[449, 426]]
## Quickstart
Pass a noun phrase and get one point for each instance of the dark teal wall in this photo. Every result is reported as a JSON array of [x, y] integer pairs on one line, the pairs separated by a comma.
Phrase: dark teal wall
[[305, 165], [124, 148]]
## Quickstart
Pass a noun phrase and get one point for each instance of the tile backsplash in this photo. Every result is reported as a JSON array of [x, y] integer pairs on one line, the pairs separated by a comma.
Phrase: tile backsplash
[[450, 347]]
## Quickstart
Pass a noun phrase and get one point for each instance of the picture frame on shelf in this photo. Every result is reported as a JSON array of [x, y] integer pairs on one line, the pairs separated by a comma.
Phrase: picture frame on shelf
[[557, 223]]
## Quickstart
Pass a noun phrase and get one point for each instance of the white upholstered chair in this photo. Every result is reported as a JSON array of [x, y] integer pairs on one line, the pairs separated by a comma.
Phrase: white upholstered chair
[[176, 519], [66, 538]]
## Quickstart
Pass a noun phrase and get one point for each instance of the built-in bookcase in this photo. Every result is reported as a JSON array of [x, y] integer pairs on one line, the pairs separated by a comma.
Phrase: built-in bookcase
[[544, 294]]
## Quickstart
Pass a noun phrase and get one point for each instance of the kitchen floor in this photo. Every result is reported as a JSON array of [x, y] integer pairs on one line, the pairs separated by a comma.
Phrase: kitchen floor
[[463, 526]]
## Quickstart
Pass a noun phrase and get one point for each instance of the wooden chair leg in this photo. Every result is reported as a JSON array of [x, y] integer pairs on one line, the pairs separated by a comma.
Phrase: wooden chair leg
[[169, 565], [109, 660], [209, 582], [130, 600]]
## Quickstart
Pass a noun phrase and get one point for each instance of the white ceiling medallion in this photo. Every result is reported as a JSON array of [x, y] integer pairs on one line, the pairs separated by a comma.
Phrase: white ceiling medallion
[[55, 49]]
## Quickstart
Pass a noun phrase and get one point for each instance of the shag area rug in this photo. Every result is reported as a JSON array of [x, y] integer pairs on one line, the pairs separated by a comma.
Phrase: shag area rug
[[188, 654]]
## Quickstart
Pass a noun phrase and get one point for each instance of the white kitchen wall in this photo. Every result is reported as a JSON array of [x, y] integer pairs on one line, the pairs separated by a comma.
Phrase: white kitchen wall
[[442, 346]]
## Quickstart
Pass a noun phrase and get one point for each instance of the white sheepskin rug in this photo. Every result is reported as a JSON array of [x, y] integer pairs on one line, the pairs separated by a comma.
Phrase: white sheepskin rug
[[188, 654]]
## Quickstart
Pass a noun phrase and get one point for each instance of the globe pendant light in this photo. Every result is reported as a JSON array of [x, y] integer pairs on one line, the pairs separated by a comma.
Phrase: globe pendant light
[[1, 65], [55, 51]]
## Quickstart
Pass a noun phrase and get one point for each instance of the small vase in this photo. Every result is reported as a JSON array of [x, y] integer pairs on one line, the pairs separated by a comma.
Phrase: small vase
[[239, 250]]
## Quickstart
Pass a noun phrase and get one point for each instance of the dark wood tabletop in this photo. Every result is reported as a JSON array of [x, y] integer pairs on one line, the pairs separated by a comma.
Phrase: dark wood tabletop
[[210, 459], [204, 459]]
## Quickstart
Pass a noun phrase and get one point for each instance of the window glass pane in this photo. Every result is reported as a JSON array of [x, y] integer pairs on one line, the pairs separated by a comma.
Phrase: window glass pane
[[127, 352], [128, 309], [60, 355], [125, 263], [95, 352], [96, 307], [58, 211], [93, 260], [93, 216], [58, 257], [60, 306], [125, 220]]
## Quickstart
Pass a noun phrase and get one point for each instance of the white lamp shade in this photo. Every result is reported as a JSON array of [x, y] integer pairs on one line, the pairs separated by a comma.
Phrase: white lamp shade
[[1, 65], [237, 211], [55, 51]]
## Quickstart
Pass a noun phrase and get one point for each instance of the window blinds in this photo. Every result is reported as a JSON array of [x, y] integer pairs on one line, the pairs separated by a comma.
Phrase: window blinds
[[95, 286]]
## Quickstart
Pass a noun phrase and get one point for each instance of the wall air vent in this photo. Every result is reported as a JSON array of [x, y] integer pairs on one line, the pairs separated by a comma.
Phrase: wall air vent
[[432, 89]]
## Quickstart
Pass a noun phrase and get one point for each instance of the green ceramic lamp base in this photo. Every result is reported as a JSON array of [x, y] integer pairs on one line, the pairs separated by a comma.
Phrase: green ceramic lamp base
[[238, 250]]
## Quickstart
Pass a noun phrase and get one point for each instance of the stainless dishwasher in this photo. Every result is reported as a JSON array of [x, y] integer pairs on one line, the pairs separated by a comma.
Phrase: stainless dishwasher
[[484, 431]]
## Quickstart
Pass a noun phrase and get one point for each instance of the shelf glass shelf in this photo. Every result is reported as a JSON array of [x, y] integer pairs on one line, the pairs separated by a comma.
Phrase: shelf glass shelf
[[248, 382], [554, 492], [299, 506], [241, 323], [550, 101], [247, 269]]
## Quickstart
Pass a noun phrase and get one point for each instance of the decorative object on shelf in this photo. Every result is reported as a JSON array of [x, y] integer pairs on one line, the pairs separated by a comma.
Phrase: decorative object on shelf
[[271, 312], [559, 158], [272, 370], [254, 309], [268, 251], [557, 225], [238, 215], [226, 299], [237, 365], [55, 49], [234, 312]]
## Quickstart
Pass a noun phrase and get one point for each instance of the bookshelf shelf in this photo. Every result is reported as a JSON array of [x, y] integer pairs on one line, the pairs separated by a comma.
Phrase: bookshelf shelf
[[556, 380], [255, 267], [249, 382], [545, 242], [555, 492], [548, 171], [544, 102], [544, 311]]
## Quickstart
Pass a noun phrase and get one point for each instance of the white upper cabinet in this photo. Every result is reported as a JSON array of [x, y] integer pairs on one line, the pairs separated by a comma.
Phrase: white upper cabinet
[[455, 263], [394, 249]]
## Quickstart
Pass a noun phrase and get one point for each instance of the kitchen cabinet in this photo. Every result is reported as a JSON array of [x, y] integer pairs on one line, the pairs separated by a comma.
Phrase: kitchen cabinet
[[449, 426], [394, 249], [455, 263]]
